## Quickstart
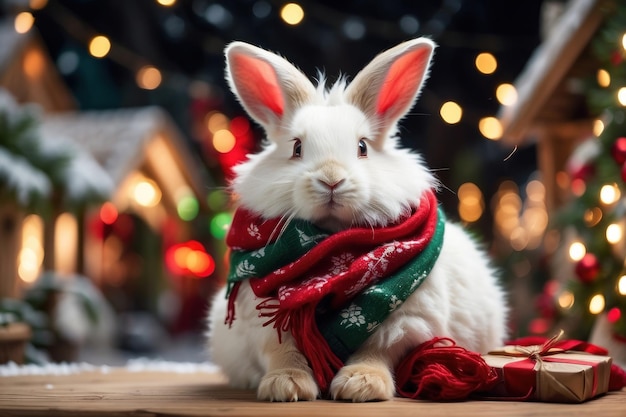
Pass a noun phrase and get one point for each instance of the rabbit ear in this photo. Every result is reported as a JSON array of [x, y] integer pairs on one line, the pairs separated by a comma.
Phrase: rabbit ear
[[387, 87], [268, 87]]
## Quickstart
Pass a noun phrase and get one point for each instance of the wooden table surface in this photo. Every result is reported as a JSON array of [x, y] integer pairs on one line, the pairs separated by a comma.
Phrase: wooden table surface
[[120, 392]]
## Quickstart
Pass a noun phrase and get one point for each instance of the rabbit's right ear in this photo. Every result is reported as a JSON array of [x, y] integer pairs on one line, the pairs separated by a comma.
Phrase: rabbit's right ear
[[268, 87]]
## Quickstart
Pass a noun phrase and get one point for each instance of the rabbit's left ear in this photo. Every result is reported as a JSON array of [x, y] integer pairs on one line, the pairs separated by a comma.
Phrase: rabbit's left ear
[[387, 87]]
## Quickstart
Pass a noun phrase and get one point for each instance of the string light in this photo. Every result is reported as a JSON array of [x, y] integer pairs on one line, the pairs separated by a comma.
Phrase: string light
[[108, 213], [621, 285], [99, 46], [490, 127], [603, 77], [621, 96], [566, 300], [596, 304], [614, 233], [148, 77], [147, 193], [471, 204], [224, 141], [216, 121], [609, 194], [292, 13], [486, 63], [577, 251], [166, 3], [506, 94], [451, 112], [23, 22]]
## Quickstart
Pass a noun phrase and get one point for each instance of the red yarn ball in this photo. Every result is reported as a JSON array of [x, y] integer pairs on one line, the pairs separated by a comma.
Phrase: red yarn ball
[[618, 150], [588, 268]]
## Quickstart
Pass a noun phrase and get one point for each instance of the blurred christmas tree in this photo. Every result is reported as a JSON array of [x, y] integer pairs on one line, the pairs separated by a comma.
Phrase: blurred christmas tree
[[592, 224]]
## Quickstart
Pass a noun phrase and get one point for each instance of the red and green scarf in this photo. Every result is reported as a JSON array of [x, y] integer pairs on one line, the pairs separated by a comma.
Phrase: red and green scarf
[[331, 291]]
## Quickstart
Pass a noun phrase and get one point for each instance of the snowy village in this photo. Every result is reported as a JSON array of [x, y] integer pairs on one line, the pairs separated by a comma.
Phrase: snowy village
[[139, 142]]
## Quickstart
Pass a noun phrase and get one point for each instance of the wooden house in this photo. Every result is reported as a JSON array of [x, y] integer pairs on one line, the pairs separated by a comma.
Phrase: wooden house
[[124, 148], [551, 109]]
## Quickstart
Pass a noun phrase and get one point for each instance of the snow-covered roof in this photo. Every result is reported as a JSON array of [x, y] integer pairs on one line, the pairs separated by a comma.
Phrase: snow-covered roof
[[548, 66], [118, 139]]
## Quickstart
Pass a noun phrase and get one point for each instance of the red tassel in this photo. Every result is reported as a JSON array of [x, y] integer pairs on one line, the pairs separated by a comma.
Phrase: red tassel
[[230, 309], [438, 370]]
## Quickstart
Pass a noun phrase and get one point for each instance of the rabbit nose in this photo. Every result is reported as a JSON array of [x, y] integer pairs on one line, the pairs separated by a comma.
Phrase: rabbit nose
[[331, 185]]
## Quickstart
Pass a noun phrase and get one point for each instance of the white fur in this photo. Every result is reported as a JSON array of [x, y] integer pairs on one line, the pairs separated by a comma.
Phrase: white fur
[[460, 299]]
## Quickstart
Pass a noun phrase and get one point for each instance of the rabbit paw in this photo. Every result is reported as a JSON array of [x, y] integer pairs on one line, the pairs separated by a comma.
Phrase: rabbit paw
[[287, 385], [360, 383]]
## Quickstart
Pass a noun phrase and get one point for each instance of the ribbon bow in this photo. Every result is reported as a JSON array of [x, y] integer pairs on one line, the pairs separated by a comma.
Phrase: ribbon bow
[[536, 375]]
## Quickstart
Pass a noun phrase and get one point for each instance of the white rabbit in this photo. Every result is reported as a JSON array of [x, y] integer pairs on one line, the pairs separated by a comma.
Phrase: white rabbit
[[332, 158]]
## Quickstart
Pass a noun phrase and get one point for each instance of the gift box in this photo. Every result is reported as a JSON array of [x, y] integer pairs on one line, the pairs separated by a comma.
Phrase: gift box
[[551, 372]]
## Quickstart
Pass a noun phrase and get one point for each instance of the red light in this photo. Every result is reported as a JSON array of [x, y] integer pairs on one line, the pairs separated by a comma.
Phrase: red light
[[189, 258], [614, 315], [239, 126], [108, 213]]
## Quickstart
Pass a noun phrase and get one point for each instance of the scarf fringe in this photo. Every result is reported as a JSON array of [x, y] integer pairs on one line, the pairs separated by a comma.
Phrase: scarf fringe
[[309, 340], [230, 309]]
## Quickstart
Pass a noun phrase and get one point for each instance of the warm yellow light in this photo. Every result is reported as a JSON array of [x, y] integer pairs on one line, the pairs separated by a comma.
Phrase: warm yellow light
[[598, 127], [536, 191], [486, 63], [614, 233], [624, 41], [148, 77], [506, 94], [31, 253], [621, 285], [166, 3], [38, 4], [292, 13], [34, 63], [23, 22], [147, 193], [603, 77], [216, 121], [99, 46], [65, 243], [592, 216], [609, 194], [451, 112], [223, 141], [577, 251], [621, 96], [596, 304], [471, 205], [566, 300], [490, 128]]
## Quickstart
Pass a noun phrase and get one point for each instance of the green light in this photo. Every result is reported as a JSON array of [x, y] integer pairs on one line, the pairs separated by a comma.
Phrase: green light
[[219, 225], [188, 208], [217, 200]]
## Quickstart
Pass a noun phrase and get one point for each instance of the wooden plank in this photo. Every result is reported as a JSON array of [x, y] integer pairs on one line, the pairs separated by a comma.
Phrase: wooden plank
[[131, 394]]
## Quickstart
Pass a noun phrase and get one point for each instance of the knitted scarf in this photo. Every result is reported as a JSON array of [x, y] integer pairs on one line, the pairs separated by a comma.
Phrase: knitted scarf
[[331, 291]]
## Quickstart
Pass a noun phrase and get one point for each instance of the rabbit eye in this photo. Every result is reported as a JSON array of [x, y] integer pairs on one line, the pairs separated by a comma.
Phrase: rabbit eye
[[297, 148], [362, 149]]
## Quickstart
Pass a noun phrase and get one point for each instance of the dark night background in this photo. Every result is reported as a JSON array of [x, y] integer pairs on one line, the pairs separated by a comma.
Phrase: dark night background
[[186, 41]]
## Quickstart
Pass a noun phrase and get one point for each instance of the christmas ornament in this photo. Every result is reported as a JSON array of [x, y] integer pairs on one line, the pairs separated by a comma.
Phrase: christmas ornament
[[588, 268], [618, 150]]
